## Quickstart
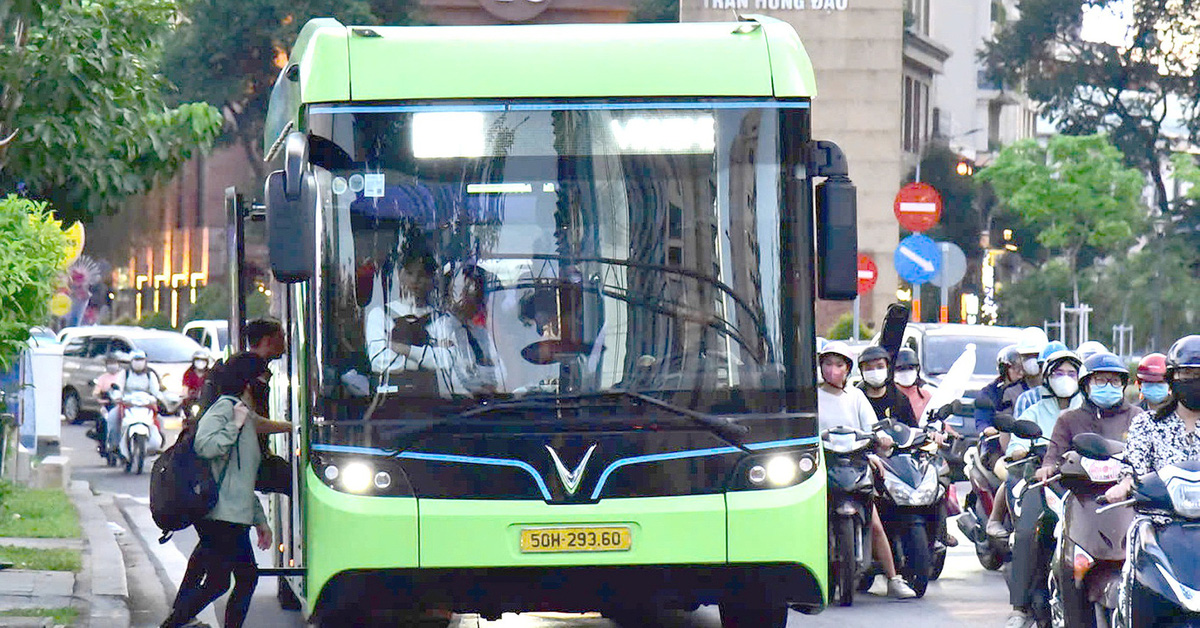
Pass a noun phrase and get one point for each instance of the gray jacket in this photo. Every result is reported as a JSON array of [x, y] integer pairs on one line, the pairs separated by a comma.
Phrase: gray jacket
[[235, 453]]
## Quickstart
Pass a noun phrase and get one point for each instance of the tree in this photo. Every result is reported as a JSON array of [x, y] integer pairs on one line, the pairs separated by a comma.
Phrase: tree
[[229, 53], [33, 256], [1125, 89], [82, 96], [1074, 190]]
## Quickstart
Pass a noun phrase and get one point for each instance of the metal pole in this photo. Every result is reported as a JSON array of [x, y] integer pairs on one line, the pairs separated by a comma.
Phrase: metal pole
[[944, 306], [857, 311], [235, 251], [916, 311]]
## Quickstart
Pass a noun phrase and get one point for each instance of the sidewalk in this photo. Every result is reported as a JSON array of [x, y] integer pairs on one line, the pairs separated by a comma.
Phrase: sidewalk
[[98, 591]]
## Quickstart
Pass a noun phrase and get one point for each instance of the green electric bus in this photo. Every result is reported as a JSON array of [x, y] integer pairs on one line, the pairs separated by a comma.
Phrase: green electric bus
[[549, 292]]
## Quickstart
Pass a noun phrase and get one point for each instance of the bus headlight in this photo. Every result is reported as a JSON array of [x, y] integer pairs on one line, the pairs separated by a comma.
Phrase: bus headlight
[[372, 476], [782, 470], [356, 477], [776, 470]]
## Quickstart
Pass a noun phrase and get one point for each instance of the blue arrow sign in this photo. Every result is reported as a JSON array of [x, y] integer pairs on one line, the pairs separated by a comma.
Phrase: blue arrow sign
[[917, 259]]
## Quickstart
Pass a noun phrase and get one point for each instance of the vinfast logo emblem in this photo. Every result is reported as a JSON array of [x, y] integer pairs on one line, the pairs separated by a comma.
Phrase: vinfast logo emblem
[[570, 479]]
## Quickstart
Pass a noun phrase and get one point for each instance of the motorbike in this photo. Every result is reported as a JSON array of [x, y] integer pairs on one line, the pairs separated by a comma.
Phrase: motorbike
[[141, 434], [980, 464], [851, 494], [937, 451], [99, 431], [1033, 519], [1160, 582], [1086, 567], [911, 490]]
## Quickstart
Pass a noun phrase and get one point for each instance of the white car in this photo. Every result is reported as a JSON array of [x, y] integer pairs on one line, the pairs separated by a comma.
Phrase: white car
[[210, 334], [169, 353]]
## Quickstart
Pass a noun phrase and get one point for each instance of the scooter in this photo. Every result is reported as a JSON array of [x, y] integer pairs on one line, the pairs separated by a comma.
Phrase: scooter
[[99, 431], [1086, 567], [141, 434], [1160, 583], [980, 463], [911, 491], [1033, 518], [851, 493]]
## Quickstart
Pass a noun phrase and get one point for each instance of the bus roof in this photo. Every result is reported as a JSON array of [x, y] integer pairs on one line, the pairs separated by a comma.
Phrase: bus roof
[[759, 58]]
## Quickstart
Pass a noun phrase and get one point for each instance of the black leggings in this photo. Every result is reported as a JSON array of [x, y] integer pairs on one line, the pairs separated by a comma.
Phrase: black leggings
[[224, 549]]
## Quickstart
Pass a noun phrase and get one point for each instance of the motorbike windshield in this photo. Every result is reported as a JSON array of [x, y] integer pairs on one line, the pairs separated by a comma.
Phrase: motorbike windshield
[[532, 252]]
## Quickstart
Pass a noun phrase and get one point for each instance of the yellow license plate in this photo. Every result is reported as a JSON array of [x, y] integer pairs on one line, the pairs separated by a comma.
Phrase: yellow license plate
[[576, 539]]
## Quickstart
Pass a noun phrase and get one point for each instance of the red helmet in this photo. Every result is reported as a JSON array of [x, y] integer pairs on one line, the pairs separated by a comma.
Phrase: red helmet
[[1153, 368]]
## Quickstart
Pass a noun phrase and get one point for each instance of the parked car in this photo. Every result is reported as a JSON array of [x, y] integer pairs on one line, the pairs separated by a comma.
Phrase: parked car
[[210, 334], [169, 353], [938, 345]]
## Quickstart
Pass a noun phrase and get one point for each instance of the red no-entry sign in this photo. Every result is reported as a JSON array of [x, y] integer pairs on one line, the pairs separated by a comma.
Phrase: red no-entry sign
[[867, 273], [918, 207]]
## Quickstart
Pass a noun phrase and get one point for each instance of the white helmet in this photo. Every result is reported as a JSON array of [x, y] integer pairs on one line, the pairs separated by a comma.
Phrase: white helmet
[[1088, 349], [840, 348], [1031, 341]]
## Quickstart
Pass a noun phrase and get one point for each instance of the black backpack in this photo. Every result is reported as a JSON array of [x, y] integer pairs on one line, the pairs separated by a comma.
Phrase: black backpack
[[182, 487]]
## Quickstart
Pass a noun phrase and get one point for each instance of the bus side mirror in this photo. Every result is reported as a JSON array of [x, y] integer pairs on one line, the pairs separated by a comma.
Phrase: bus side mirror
[[837, 225], [291, 196]]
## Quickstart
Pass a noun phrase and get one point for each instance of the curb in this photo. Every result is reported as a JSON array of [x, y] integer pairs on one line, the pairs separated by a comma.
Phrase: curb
[[108, 592]]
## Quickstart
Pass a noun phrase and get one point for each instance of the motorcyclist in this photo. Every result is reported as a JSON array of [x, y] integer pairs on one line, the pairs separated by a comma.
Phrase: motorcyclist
[[103, 387], [908, 380], [837, 406], [193, 378], [990, 400], [1031, 544], [1089, 348], [1152, 382], [139, 377], [1031, 343], [1104, 411], [1033, 396], [881, 391], [1168, 435]]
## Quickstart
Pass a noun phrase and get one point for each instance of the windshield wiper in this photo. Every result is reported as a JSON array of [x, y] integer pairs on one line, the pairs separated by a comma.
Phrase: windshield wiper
[[724, 428]]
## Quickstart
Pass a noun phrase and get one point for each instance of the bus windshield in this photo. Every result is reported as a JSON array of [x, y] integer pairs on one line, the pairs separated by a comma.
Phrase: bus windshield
[[508, 252]]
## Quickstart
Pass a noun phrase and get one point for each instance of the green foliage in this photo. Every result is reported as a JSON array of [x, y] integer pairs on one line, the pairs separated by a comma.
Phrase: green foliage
[[62, 616], [1087, 87], [843, 328], [31, 259], [92, 127], [225, 53], [1074, 190], [212, 302], [41, 559], [38, 513], [156, 320]]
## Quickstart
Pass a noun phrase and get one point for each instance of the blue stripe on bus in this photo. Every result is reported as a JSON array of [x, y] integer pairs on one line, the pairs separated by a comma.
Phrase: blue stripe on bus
[[695, 453], [560, 106], [500, 462], [519, 464]]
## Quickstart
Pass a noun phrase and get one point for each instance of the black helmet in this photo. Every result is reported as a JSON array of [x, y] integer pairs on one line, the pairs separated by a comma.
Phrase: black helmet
[[906, 358], [1103, 362], [1008, 356], [1184, 353], [874, 352]]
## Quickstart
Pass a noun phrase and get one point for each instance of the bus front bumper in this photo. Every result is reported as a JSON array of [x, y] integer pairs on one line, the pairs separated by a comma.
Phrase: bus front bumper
[[492, 591]]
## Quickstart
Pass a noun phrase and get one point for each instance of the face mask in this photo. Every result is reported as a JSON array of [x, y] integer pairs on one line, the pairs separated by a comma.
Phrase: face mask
[[1156, 392], [1031, 367], [1064, 386], [1105, 396], [138, 365], [906, 378], [1188, 393], [875, 377], [116, 368]]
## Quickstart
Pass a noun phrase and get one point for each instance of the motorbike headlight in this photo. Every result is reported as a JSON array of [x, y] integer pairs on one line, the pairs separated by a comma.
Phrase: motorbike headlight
[[1185, 498]]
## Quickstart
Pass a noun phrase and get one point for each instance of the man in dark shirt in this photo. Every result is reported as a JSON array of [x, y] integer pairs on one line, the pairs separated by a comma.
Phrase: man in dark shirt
[[877, 383]]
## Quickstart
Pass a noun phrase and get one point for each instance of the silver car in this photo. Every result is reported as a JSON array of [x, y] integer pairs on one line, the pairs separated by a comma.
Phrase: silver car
[[169, 353]]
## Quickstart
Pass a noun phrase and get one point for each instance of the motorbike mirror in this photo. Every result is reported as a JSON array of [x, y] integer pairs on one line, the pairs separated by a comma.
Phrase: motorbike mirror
[[1096, 446], [1026, 429], [1003, 421]]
